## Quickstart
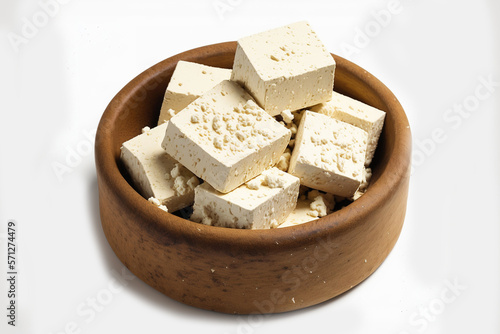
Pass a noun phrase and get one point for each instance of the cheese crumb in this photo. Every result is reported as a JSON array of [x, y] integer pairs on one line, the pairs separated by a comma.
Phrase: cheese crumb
[[284, 161], [157, 203], [273, 181], [254, 184], [293, 129], [218, 142], [176, 171], [183, 181], [193, 182], [180, 185], [321, 205], [287, 116], [146, 129], [195, 119]]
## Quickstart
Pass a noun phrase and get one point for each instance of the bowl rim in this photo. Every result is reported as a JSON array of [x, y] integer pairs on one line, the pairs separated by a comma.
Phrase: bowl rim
[[167, 224]]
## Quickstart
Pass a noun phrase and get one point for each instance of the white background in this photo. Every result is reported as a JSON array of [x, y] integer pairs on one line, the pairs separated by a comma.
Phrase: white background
[[56, 84]]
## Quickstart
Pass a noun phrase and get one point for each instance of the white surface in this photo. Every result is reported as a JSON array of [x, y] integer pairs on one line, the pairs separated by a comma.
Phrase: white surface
[[431, 54]]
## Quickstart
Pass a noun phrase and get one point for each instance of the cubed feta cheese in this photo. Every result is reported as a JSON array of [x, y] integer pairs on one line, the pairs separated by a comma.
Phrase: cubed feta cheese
[[189, 81], [328, 155], [285, 68], [155, 174], [262, 203], [356, 113], [225, 138]]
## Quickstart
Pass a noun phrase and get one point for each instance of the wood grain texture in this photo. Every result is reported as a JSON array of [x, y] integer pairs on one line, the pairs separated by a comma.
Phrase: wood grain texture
[[248, 271]]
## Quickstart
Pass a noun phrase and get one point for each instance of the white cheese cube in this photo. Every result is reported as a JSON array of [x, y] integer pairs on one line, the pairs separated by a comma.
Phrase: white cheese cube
[[285, 68], [189, 81], [262, 203], [356, 113], [225, 138], [328, 155], [155, 174]]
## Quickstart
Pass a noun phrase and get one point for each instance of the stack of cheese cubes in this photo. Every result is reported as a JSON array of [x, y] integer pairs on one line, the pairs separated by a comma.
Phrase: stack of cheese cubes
[[267, 144]]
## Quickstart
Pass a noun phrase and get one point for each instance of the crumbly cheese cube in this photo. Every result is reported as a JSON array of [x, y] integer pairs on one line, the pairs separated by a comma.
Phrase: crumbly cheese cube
[[329, 155], [189, 81], [285, 68], [225, 138], [262, 203], [356, 113], [155, 174], [312, 207]]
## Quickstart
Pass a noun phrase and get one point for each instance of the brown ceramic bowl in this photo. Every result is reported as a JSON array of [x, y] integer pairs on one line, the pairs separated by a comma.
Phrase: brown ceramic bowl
[[250, 271]]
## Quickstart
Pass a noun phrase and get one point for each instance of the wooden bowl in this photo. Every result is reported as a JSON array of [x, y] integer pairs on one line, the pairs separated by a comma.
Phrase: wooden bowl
[[250, 271]]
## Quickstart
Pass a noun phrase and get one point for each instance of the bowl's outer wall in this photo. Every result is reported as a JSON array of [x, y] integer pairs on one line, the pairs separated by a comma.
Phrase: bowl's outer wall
[[244, 271]]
